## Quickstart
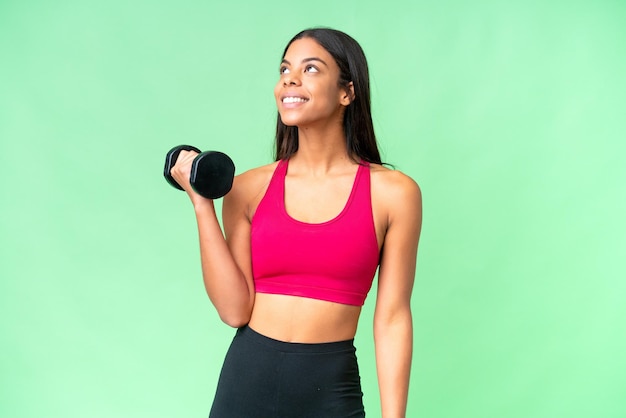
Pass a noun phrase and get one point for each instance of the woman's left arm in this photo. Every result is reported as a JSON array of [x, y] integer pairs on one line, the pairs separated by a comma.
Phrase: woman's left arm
[[393, 326]]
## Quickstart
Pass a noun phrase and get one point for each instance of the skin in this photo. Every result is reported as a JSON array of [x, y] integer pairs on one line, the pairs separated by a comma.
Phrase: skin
[[321, 167]]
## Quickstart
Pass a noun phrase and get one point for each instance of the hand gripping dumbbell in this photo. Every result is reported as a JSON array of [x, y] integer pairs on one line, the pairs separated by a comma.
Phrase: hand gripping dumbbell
[[212, 172]]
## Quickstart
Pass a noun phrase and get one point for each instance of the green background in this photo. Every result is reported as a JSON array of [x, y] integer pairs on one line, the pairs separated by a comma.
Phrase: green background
[[510, 115]]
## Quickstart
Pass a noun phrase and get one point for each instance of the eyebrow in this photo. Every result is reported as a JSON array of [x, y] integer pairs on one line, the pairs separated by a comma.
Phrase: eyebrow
[[284, 61]]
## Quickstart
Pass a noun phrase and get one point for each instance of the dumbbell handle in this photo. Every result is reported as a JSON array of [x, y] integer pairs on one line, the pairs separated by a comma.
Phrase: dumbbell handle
[[170, 160]]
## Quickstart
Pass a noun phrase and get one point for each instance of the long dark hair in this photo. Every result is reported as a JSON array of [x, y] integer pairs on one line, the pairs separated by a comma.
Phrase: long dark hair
[[357, 120]]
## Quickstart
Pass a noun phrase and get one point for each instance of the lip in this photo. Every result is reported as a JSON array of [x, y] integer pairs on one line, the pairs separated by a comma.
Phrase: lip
[[285, 95]]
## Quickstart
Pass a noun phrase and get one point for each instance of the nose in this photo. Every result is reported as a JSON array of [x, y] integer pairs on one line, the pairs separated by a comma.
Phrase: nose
[[290, 80]]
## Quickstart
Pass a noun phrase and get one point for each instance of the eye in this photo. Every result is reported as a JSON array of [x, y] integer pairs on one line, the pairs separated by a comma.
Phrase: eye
[[311, 69], [283, 70]]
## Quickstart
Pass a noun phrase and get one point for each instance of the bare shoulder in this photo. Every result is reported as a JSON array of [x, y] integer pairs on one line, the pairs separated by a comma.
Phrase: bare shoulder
[[255, 177], [397, 206], [249, 187], [393, 186]]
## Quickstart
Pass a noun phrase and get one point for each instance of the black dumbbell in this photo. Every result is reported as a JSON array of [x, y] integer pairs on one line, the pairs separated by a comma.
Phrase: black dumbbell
[[212, 172]]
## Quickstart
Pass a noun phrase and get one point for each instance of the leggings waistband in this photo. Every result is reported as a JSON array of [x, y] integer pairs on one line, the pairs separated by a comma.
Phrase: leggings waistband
[[289, 347]]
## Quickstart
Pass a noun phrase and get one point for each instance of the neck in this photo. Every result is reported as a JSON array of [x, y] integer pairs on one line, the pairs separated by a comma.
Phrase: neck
[[321, 148]]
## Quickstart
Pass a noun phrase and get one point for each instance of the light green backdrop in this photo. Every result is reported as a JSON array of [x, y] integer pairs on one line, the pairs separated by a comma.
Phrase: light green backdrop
[[510, 115]]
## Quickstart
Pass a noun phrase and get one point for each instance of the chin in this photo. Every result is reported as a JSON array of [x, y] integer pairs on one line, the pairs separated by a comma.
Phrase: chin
[[289, 121]]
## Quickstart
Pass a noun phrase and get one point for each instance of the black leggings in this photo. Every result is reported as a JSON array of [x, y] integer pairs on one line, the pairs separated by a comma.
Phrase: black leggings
[[266, 378]]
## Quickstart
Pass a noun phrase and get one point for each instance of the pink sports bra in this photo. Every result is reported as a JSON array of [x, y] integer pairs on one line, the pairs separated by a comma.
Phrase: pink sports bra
[[333, 261]]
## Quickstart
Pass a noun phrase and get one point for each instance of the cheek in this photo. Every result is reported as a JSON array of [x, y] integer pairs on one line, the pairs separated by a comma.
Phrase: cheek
[[333, 95], [277, 89]]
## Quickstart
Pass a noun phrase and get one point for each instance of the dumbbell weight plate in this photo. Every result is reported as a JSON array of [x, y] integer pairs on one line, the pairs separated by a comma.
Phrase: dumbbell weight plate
[[212, 174]]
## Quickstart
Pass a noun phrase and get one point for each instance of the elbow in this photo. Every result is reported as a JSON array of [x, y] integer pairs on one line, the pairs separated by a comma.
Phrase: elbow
[[234, 313], [384, 321], [235, 318], [234, 321]]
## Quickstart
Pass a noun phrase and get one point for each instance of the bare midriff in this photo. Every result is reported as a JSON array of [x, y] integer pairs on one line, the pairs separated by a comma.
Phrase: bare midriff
[[303, 320]]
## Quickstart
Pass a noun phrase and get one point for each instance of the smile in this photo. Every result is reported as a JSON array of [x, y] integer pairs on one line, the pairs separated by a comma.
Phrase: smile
[[294, 100]]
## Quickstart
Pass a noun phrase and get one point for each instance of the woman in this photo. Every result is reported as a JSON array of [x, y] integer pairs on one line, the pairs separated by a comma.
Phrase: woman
[[303, 239]]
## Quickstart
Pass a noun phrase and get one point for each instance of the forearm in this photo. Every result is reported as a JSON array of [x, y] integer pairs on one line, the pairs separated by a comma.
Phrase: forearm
[[228, 288], [394, 350]]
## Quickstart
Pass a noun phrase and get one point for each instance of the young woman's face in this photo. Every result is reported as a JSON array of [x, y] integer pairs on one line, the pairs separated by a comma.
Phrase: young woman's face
[[308, 90]]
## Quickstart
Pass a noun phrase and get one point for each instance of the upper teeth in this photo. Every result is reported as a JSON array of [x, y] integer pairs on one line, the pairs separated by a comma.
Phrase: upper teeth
[[293, 100]]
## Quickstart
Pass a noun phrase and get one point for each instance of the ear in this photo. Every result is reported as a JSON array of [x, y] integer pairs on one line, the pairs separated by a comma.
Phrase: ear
[[348, 94]]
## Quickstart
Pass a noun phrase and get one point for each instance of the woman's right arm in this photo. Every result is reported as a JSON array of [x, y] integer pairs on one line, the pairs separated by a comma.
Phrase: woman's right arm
[[226, 265]]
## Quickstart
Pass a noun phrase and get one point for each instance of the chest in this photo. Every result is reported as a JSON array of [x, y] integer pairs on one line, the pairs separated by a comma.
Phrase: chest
[[317, 200]]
